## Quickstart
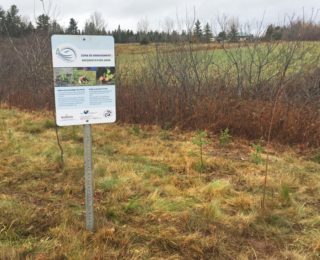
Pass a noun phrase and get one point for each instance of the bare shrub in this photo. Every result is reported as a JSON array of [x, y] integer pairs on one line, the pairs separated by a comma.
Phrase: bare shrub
[[210, 86], [194, 88], [28, 72]]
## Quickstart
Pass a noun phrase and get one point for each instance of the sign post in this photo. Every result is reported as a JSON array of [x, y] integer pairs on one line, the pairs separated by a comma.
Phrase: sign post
[[84, 81], [88, 176]]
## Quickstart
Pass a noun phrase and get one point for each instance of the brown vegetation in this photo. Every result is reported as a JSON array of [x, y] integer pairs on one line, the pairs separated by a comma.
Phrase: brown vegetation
[[191, 86], [151, 199]]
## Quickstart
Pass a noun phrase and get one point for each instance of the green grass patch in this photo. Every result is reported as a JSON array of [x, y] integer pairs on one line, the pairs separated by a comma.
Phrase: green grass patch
[[108, 183], [147, 167]]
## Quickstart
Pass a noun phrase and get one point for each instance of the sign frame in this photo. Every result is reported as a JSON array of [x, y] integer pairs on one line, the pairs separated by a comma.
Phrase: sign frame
[[84, 79]]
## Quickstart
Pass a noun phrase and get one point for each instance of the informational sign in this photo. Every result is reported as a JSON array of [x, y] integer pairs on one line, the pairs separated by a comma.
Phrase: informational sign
[[84, 87], [84, 79]]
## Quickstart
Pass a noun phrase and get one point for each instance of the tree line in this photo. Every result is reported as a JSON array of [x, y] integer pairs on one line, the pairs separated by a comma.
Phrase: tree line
[[13, 25]]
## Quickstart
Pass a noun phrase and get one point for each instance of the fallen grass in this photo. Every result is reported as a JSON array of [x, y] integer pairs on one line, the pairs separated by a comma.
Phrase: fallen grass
[[150, 201]]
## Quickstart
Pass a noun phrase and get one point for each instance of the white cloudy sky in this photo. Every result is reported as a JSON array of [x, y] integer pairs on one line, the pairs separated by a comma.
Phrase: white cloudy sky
[[127, 13]]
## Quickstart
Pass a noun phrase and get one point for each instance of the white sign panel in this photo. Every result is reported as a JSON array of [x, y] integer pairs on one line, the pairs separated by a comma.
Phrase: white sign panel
[[84, 78]]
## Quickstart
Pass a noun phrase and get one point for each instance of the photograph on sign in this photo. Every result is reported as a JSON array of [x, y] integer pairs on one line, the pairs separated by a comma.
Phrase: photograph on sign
[[84, 79], [84, 76]]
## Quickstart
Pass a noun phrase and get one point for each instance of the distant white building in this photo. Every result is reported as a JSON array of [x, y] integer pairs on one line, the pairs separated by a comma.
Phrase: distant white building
[[213, 39], [243, 37]]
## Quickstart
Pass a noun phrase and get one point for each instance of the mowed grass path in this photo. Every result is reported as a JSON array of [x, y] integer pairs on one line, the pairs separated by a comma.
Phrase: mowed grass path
[[150, 201]]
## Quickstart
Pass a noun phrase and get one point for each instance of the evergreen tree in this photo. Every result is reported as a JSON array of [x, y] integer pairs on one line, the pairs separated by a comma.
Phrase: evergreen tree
[[43, 22], [184, 35], [89, 28], [95, 24], [2, 13], [56, 28], [12, 22], [269, 32], [73, 27], [278, 33], [2, 21], [222, 36], [118, 35], [274, 33], [207, 32], [26, 28], [174, 37], [29, 28], [197, 32], [233, 34]]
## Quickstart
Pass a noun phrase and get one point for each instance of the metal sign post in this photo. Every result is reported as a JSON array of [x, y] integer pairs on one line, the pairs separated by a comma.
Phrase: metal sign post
[[84, 88], [87, 141]]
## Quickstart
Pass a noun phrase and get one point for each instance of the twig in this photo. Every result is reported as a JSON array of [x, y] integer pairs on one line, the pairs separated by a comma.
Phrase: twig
[[58, 141]]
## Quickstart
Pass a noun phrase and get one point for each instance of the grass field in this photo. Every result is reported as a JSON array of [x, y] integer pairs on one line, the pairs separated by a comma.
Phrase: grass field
[[151, 199], [247, 64]]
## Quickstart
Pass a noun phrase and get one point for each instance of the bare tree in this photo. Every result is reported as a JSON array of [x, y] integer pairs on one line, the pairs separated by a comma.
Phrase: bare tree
[[95, 24], [168, 26], [143, 25], [97, 19]]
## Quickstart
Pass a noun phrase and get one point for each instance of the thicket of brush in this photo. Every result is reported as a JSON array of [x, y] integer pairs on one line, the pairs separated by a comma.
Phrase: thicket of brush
[[236, 88], [244, 87]]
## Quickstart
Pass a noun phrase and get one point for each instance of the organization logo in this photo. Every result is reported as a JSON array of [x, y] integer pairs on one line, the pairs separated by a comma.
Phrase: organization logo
[[107, 113], [66, 117], [66, 54]]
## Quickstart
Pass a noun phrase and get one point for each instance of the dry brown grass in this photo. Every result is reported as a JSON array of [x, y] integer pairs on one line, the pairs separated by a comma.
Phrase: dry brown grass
[[150, 202]]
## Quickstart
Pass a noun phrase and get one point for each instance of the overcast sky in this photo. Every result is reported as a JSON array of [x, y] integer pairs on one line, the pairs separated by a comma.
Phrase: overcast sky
[[127, 13]]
